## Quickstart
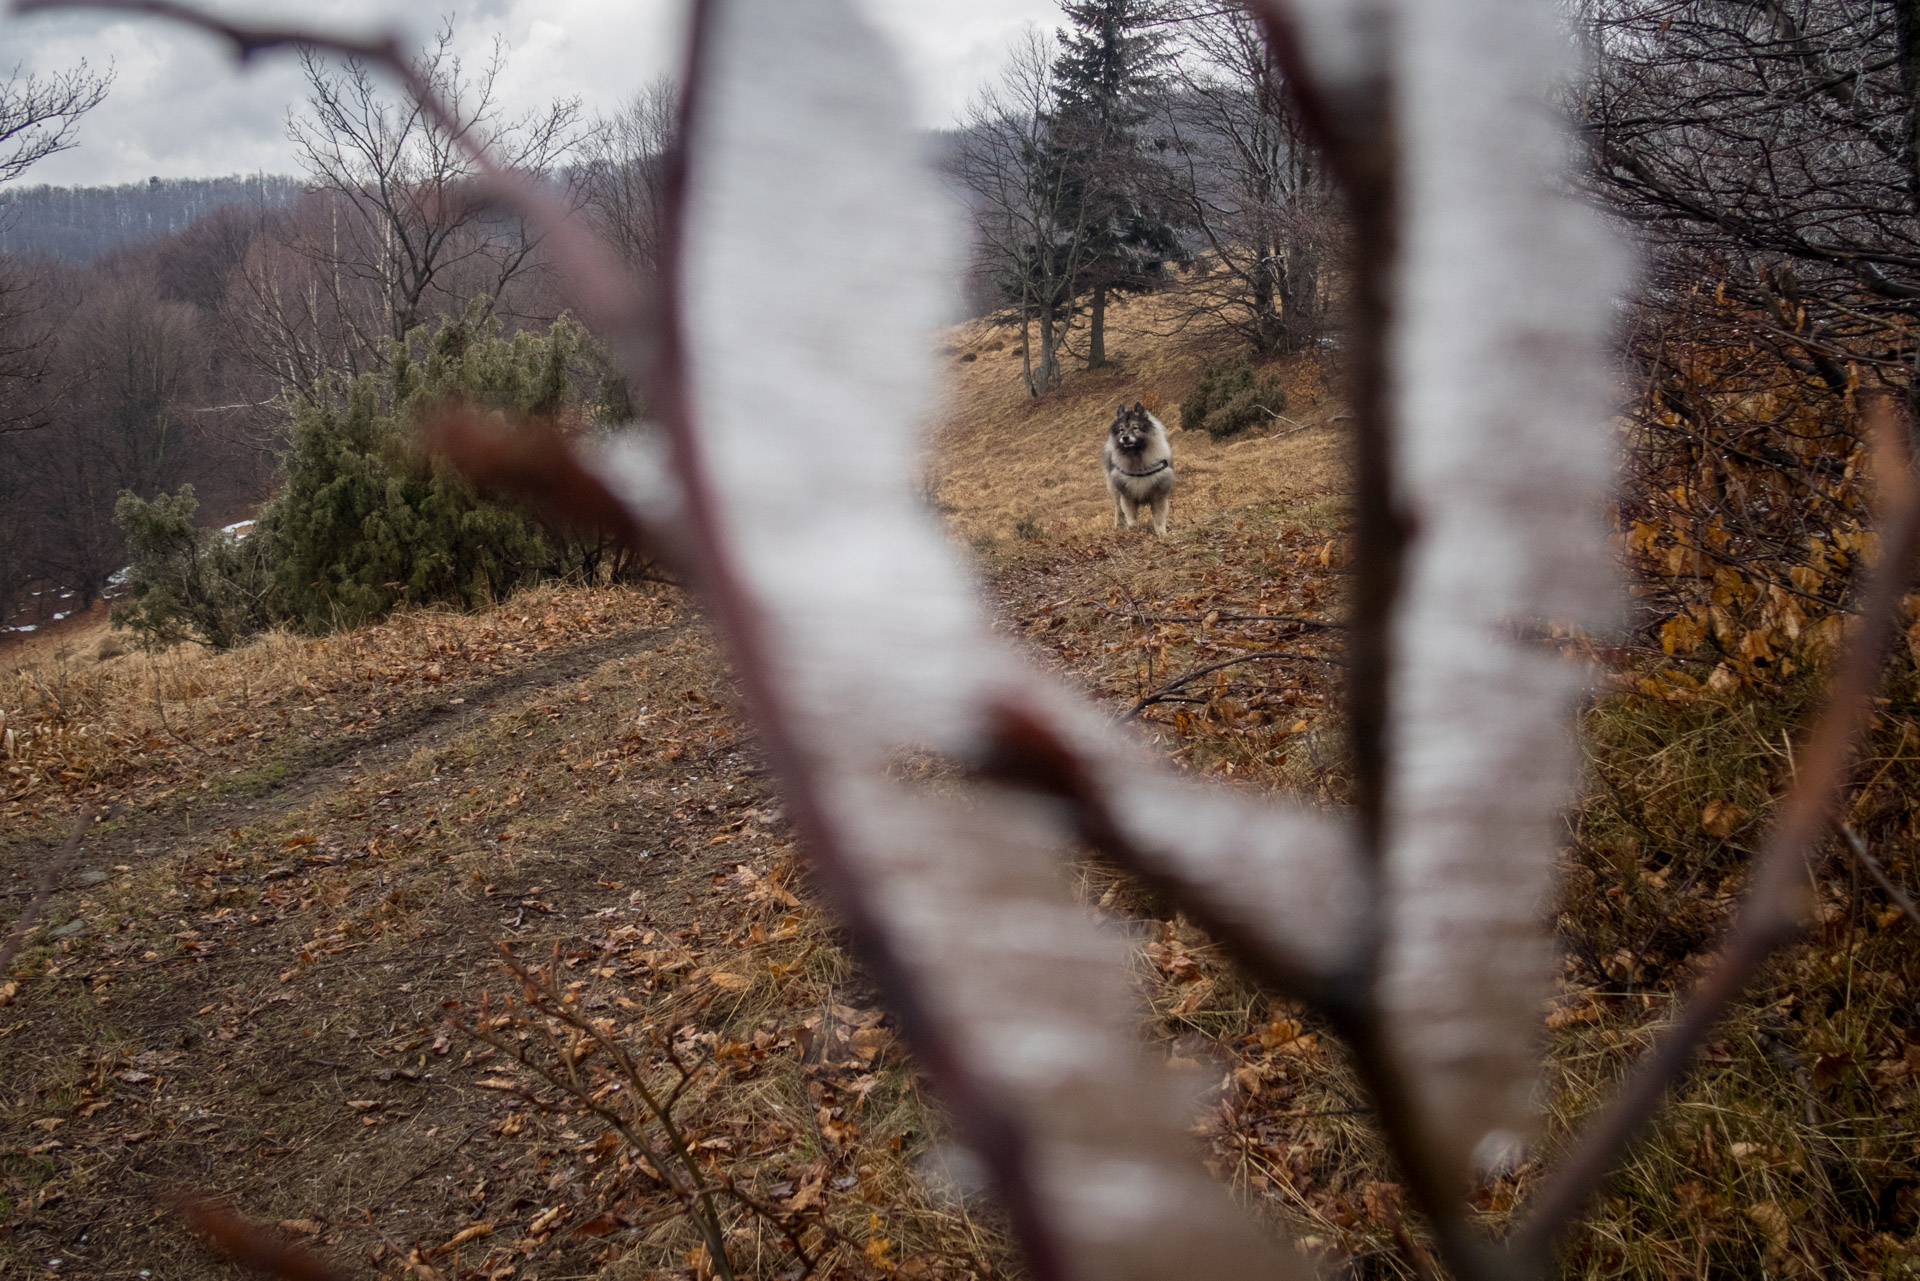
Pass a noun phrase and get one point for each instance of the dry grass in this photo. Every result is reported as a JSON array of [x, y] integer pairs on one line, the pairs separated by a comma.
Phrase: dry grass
[[1004, 458], [85, 717]]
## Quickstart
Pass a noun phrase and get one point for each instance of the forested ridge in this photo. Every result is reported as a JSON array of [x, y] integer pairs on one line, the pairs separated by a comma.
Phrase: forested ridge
[[79, 224]]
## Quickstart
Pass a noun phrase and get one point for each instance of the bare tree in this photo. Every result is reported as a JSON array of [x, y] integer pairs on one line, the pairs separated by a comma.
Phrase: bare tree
[[622, 173], [136, 362], [1248, 182], [1770, 145], [303, 324], [40, 115], [404, 216], [29, 318], [1413, 919], [1029, 229]]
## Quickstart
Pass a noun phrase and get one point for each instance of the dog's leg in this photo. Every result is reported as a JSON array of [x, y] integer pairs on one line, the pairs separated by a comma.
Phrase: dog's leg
[[1119, 508], [1160, 502]]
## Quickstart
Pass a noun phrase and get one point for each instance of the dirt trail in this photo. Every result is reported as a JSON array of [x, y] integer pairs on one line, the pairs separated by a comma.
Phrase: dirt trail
[[311, 770], [252, 1006]]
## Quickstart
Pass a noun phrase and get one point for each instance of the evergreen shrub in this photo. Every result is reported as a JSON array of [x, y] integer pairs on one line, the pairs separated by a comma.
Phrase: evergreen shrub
[[188, 583], [1230, 399], [363, 521]]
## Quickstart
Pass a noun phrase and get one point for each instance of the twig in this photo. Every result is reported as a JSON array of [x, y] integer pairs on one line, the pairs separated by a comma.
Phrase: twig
[[1900, 897], [49, 880], [1347, 110], [1771, 914], [694, 1190], [1313, 624], [1030, 751], [160, 706], [1174, 686]]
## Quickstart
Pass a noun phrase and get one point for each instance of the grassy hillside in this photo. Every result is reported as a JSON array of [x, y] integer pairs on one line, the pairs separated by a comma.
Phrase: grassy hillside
[[245, 983], [1005, 458]]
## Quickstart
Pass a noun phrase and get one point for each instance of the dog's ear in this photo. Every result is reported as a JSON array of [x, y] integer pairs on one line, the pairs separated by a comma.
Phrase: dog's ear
[[1139, 408]]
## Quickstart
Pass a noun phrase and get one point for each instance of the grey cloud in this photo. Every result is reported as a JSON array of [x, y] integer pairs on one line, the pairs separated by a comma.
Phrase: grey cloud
[[181, 108]]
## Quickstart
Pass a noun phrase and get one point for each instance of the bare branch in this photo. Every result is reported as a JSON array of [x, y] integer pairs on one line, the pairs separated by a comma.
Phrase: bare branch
[[40, 115], [1180, 682], [1900, 897]]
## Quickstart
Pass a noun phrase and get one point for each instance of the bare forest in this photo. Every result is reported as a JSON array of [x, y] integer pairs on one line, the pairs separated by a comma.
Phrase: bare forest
[[573, 704]]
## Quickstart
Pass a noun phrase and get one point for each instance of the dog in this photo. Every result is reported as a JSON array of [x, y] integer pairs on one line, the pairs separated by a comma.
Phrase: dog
[[1139, 466]]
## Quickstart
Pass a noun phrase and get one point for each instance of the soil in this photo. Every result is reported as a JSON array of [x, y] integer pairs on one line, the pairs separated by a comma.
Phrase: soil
[[242, 995]]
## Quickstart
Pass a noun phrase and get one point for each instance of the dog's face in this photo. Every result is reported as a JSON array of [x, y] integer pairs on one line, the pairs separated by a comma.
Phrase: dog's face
[[1132, 429]]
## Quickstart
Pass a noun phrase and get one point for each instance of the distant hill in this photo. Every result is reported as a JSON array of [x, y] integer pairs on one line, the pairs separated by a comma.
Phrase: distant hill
[[80, 223]]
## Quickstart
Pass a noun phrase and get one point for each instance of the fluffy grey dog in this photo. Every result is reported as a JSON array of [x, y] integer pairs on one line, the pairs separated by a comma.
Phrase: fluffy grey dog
[[1139, 466]]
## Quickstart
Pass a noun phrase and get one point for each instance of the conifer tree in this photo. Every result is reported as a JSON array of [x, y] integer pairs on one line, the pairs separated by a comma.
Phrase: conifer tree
[[365, 522], [1110, 70], [185, 582]]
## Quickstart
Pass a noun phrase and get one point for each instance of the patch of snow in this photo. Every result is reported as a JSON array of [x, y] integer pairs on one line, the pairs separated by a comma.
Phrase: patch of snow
[[118, 578], [59, 616], [239, 528]]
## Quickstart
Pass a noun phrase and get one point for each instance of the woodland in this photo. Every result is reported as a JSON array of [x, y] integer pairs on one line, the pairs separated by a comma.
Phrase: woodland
[[466, 816]]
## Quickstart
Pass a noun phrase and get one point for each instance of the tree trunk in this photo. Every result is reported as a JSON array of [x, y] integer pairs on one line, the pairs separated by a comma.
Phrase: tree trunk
[[1266, 321], [1097, 333], [1026, 354], [1048, 375]]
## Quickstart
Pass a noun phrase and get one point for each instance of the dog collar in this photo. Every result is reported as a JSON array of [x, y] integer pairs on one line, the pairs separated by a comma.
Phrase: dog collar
[[1160, 466]]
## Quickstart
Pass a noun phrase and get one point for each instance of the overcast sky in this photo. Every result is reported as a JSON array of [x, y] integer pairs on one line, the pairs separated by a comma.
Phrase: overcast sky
[[180, 108]]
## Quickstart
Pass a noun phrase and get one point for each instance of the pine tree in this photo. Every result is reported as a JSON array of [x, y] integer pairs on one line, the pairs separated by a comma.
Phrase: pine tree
[[1110, 72], [366, 523], [185, 582]]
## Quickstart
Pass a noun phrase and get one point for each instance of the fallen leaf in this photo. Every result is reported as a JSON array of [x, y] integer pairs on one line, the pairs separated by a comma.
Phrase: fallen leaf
[[1720, 818], [466, 1234], [809, 1191]]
